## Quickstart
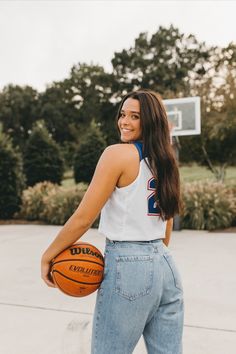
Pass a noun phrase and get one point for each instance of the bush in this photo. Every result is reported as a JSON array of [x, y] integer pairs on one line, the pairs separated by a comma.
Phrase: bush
[[42, 159], [60, 205], [33, 200], [11, 178], [88, 154], [208, 205], [50, 203]]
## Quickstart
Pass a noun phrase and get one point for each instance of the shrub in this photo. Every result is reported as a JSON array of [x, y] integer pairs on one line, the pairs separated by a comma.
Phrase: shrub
[[50, 203], [11, 178], [42, 159], [33, 200], [60, 205], [208, 205], [88, 154]]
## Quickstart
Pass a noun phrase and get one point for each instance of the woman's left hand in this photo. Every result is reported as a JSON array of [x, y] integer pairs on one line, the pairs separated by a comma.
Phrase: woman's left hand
[[46, 273]]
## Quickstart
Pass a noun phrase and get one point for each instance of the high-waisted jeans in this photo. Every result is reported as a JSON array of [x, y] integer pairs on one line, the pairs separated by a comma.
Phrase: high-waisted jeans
[[141, 294]]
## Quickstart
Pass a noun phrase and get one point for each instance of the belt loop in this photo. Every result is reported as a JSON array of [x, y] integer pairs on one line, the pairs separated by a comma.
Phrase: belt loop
[[109, 242], [155, 248]]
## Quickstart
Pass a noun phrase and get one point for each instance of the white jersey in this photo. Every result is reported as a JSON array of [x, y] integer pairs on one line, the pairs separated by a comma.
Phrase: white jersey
[[131, 214]]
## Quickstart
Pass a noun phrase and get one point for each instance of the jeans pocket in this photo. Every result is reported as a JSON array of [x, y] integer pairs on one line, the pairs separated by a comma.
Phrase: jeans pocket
[[174, 270], [134, 276]]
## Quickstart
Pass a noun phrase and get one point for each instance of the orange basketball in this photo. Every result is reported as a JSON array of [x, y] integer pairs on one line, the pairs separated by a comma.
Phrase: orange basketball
[[78, 270]]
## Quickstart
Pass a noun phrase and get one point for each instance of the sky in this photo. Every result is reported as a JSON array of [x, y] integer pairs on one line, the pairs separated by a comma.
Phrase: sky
[[40, 40]]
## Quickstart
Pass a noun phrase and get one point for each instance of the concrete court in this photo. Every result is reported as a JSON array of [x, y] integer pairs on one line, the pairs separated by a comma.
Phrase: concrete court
[[35, 319]]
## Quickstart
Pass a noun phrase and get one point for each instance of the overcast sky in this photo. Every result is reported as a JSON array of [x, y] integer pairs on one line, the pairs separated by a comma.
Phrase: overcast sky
[[41, 40]]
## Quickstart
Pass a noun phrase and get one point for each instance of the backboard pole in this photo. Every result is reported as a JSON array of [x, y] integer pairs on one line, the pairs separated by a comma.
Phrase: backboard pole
[[176, 146], [184, 118]]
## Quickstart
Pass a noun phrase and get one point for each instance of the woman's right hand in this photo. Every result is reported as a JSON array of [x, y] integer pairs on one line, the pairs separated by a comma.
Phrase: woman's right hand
[[46, 272]]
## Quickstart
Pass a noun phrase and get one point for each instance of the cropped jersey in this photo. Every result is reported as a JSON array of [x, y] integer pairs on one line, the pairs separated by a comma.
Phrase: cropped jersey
[[131, 213]]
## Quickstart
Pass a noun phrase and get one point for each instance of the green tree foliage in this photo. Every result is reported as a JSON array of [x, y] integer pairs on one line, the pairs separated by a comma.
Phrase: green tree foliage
[[216, 146], [11, 178], [91, 89], [219, 144], [162, 62], [18, 107], [108, 124], [88, 154], [69, 106], [42, 158], [59, 113]]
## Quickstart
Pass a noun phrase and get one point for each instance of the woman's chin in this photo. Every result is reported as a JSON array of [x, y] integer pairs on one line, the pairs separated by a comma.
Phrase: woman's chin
[[124, 139], [127, 139]]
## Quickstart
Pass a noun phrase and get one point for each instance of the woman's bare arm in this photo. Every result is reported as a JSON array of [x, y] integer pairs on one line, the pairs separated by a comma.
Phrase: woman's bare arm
[[169, 227], [106, 175]]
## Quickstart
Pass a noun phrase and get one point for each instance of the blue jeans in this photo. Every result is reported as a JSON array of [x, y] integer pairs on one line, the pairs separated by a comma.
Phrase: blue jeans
[[141, 294]]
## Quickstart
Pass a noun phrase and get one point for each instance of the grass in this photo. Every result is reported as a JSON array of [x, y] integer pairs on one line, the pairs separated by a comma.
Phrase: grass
[[189, 173], [68, 180], [195, 173]]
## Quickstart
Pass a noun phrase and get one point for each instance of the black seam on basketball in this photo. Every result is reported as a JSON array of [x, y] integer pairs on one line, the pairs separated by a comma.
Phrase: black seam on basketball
[[67, 293], [78, 260], [56, 282], [76, 281]]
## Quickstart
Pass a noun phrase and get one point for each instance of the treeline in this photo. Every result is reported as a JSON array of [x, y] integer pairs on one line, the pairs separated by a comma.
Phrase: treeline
[[169, 62]]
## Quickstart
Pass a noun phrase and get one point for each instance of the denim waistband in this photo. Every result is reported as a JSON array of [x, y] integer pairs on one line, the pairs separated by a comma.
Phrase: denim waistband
[[155, 246], [108, 241]]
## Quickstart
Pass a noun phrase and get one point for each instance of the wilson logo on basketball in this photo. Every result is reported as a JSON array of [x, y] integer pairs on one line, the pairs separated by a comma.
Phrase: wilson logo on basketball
[[82, 250], [85, 270]]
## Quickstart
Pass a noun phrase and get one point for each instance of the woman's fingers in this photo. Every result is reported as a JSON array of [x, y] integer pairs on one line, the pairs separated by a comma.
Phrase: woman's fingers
[[46, 275]]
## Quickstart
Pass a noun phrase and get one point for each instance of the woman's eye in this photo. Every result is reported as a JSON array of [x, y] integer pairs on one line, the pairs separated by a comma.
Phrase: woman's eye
[[134, 116]]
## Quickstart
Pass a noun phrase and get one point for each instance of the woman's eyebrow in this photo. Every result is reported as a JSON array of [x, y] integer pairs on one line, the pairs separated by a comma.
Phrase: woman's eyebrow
[[122, 110]]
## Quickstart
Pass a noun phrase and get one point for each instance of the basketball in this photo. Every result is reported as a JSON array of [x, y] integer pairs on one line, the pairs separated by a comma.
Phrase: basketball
[[78, 270]]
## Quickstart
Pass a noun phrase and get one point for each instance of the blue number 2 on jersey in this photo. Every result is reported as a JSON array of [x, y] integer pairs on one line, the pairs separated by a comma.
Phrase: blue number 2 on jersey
[[153, 209]]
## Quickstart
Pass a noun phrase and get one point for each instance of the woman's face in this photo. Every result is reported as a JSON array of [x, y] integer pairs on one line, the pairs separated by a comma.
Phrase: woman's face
[[129, 121]]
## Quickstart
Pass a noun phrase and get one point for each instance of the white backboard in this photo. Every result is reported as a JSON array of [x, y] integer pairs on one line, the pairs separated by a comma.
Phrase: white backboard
[[184, 115]]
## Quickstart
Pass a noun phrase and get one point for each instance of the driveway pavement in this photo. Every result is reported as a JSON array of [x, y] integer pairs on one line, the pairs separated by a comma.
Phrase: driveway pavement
[[36, 319]]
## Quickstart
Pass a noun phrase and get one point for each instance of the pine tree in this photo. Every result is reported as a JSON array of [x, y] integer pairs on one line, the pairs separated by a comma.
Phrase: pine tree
[[88, 154], [42, 159], [11, 178]]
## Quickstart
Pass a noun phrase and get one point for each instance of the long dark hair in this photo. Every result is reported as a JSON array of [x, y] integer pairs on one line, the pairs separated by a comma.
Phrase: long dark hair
[[157, 147]]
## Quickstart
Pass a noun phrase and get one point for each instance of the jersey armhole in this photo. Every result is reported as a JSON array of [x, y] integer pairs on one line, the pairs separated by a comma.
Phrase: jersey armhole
[[139, 148]]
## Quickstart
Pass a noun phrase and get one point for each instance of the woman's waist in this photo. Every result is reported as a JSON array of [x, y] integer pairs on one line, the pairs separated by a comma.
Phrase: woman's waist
[[136, 247]]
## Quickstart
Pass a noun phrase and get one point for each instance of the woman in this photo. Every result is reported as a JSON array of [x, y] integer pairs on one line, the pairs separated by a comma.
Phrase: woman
[[136, 185]]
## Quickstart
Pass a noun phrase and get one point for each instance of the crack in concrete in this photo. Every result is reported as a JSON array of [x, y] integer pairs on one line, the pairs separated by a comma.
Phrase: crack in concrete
[[90, 314], [44, 308]]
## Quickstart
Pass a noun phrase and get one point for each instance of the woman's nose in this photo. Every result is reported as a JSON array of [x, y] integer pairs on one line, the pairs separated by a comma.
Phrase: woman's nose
[[125, 119]]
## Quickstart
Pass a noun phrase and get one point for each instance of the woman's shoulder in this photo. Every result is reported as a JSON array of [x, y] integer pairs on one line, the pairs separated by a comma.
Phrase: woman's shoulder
[[121, 147], [121, 151]]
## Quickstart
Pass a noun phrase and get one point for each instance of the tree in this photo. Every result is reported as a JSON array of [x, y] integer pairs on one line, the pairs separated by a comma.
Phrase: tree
[[164, 62], [18, 107], [69, 106], [88, 154], [222, 129], [59, 113], [218, 91], [11, 178], [92, 91], [42, 158]]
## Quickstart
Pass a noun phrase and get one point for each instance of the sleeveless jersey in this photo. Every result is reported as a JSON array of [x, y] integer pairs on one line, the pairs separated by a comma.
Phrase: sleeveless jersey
[[131, 213]]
